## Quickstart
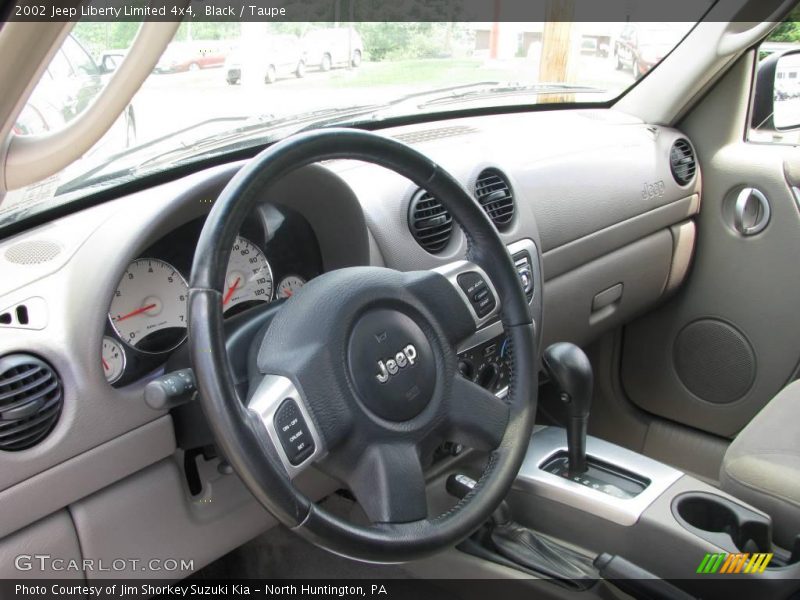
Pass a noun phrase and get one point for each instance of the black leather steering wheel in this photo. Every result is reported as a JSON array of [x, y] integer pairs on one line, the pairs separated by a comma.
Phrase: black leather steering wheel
[[357, 372]]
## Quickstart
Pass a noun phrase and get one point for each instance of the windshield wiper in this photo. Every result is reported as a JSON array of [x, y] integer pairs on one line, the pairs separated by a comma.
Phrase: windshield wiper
[[314, 119], [513, 89], [193, 148]]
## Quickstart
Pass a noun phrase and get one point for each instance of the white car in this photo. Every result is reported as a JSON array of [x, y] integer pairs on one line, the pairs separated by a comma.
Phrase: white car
[[277, 56], [336, 46]]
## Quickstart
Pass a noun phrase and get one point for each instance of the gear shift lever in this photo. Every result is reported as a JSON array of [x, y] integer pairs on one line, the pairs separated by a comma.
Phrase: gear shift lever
[[571, 371]]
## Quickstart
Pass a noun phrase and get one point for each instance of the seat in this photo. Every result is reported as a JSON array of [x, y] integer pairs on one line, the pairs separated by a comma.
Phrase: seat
[[762, 465]]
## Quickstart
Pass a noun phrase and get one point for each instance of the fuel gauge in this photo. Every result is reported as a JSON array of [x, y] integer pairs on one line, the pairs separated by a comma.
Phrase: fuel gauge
[[289, 285], [113, 357]]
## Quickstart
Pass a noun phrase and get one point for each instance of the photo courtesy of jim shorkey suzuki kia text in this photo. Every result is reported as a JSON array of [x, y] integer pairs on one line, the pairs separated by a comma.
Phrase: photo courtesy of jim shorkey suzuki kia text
[[147, 590]]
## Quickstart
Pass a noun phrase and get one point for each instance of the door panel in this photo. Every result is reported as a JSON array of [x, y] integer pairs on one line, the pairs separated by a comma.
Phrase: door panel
[[730, 339]]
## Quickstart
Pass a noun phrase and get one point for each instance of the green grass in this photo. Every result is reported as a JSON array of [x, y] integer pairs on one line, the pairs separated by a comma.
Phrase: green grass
[[440, 72]]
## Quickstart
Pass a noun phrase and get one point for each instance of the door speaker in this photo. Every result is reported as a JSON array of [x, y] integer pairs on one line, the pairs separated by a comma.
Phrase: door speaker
[[714, 360]]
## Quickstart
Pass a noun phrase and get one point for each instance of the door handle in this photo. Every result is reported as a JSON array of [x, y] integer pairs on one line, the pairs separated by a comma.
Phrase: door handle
[[751, 212]]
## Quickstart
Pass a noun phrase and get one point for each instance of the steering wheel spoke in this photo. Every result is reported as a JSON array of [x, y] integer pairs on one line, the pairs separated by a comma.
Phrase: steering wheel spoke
[[389, 484], [475, 416], [288, 423]]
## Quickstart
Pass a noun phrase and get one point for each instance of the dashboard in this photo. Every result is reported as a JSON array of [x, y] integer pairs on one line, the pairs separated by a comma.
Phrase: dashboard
[[102, 294], [274, 255]]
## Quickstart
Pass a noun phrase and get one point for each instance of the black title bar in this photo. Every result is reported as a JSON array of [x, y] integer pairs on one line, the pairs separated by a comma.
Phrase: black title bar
[[393, 10]]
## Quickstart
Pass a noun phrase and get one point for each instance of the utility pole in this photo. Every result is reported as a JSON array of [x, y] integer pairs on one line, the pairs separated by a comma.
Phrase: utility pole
[[557, 47], [494, 33]]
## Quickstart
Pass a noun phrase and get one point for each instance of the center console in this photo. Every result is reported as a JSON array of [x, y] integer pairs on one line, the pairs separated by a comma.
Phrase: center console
[[631, 518]]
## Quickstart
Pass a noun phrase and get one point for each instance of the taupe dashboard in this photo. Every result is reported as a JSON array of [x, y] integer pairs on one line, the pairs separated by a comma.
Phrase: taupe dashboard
[[607, 200]]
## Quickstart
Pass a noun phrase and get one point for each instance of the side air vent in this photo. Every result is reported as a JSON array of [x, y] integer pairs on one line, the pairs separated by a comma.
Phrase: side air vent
[[429, 222], [30, 401], [682, 161], [494, 194]]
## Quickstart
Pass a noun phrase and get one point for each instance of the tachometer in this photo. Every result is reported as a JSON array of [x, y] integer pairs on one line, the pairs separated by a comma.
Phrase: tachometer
[[249, 276], [148, 311]]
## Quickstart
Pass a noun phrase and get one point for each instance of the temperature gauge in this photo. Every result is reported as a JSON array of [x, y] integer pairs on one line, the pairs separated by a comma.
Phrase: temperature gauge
[[289, 285], [113, 358]]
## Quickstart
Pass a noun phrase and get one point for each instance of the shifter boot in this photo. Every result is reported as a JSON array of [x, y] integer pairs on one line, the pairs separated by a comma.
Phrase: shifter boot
[[540, 554]]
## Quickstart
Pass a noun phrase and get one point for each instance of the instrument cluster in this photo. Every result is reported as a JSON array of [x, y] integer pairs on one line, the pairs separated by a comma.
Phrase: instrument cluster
[[273, 256]]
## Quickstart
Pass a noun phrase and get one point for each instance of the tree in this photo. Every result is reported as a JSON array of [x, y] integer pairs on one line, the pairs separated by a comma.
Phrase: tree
[[789, 30], [98, 37]]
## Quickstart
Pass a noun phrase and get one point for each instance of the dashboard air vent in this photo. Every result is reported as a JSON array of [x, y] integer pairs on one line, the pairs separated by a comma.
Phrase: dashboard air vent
[[494, 194], [682, 161], [30, 401], [429, 222]]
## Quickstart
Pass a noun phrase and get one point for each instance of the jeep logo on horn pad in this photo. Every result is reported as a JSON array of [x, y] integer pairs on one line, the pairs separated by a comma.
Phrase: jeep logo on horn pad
[[391, 366]]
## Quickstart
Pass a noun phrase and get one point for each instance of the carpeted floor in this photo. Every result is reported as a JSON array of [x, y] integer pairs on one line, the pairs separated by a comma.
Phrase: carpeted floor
[[281, 554]]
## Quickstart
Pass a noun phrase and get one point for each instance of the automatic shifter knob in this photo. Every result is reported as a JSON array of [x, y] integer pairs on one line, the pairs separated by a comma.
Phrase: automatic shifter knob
[[570, 370]]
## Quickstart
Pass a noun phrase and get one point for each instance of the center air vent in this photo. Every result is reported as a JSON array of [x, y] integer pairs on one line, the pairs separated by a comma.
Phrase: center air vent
[[30, 401], [494, 194], [429, 222], [682, 161]]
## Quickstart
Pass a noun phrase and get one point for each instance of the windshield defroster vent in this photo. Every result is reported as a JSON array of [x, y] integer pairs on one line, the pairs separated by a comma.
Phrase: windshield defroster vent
[[493, 193], [30, 401], [682, 161], [429, 222]]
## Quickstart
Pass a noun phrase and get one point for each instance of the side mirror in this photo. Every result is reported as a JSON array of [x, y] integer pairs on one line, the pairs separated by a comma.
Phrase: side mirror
[[109, 65], [776, 104]]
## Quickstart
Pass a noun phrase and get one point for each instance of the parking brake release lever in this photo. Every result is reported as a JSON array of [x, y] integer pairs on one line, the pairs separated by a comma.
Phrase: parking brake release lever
[[570, 370]]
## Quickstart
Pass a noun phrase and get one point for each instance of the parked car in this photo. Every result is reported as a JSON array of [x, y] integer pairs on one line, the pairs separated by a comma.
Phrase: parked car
[[276, 56], [337, 46], [191, 56], [71, 81], [642, 46]]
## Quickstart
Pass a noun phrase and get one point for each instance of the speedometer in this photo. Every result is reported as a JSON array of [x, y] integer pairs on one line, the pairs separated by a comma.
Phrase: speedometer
[[249, 276], [148, 311]]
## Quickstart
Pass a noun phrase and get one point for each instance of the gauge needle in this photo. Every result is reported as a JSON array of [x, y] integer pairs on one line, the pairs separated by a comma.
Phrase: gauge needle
[[138, 311], [105, 364], [288, 293], [230, 291]]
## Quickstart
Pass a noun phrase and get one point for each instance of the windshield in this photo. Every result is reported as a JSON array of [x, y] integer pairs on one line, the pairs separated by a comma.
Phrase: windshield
[[220, 87]]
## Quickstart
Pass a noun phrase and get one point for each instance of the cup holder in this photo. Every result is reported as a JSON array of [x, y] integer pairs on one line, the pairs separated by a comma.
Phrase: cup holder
[[724, 523]]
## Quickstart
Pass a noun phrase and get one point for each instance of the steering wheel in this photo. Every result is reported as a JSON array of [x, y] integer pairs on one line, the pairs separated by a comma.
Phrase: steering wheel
[[357, 372]]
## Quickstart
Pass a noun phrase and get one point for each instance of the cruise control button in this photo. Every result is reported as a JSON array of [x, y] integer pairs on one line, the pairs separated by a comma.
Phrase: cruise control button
[[293, 432], [485, 306], [478, 293], [471, 282]]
